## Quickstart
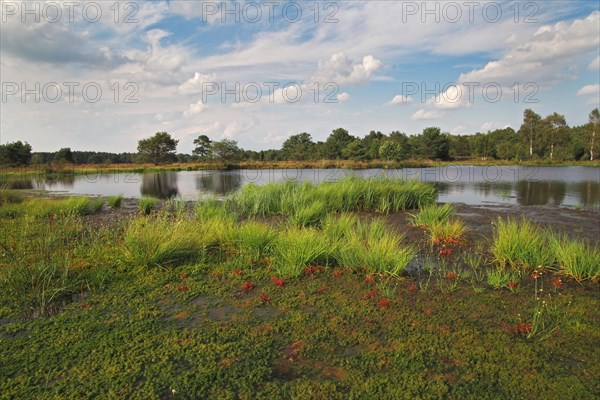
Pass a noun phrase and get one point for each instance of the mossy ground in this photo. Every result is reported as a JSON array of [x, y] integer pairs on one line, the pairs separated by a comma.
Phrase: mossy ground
[[225, 329]]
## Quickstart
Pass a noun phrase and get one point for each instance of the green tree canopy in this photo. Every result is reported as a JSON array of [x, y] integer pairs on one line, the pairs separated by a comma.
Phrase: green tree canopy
[[15, 154], [336, 142], [202, 148], [158, 149], [225, 150], [298, 147], [64, 155]]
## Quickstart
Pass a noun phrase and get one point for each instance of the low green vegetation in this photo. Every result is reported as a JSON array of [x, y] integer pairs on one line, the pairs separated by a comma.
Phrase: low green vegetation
[[432, 214], [576, 259], [307, 202], [520, 244], [115, 201], [216, 304], [147, 204]]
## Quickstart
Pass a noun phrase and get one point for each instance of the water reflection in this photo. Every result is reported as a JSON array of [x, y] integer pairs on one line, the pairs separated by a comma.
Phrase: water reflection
[[160, 184], [474, 185], [541, 193], [219, 183]]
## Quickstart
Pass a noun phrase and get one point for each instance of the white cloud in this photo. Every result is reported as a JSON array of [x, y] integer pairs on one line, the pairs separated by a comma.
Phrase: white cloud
[[400, 99], [343, 97], [194, 109], [455, 96], [594, 65], [341, 70], [589, 90], [544, 58], [194, 85], [424, 115]]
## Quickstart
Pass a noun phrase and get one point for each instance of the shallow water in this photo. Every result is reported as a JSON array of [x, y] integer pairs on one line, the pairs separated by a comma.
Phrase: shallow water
[[475, 185]]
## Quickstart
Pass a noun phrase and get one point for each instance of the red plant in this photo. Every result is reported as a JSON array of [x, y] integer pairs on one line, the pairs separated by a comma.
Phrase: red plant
[[370, 279], [522, 328], [265, 261], [384, 303], [322, 289], [277, 281], [413, 287], [445, 252], [182, 288], [451, 275], [265, 298], [536, 274], [372, 293], [237, 272], [512, 284], [337, 273], [247, 287], [311, 269], [556, 282], [85, 304], [183, 275]]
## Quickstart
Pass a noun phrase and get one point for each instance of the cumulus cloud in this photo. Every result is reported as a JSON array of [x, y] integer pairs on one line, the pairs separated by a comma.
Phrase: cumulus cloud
[[589, 90], [194, 84], [544, 58], [594, 65], [455, 96], [421, 115], [400, 99], [343, 71], [343, 97], [194, 109]]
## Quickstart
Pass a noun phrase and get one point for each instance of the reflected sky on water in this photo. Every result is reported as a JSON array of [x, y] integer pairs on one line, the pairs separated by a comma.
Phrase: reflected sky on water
[[552, 186]]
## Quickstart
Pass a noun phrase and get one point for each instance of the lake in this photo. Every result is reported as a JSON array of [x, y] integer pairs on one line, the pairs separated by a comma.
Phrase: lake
[[474, 185]]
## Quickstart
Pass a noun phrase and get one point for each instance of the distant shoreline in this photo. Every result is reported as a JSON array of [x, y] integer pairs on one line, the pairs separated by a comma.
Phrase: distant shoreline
[[83, 169]]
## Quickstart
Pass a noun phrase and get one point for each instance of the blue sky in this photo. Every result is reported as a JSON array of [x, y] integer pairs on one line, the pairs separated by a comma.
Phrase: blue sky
[[172, 59]]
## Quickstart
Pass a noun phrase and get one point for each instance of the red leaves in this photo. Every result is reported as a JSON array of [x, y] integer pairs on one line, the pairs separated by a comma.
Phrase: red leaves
[[265, 261], [85, 304], [312, 269], [277, 281], [512, 285], [413, 288], [451, 275], [384, 303], [556, 283], [183, 276], [237, 272], [247, 287], [372, 294], [522, 328], [182, 288], [337, 273], [265, 298], [445, 252], [322, 289], [370, 279]]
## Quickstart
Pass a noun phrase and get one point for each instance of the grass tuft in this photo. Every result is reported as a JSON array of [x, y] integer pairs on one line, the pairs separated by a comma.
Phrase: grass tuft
[[576, 259], [147, 204], [520, 244], [115, 201]]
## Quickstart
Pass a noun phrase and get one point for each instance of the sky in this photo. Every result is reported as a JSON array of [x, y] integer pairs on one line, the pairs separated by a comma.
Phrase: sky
[[101, 75]]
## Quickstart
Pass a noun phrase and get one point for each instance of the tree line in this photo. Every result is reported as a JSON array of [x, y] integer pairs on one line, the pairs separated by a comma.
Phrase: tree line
[[538, 137]]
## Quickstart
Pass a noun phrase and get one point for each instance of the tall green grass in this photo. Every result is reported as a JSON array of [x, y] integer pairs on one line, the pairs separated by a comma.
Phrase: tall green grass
[[48, 207], [520, 244], [432, 214], [369, 247], [253, 239], [206, 210], [576, 258], [35, 263], [383, 195], [296, 248], [164, 242], [115, 201], [147, 204]]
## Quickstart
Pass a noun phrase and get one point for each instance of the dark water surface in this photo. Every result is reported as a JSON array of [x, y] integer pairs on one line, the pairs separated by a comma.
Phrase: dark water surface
[[475, 185]]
